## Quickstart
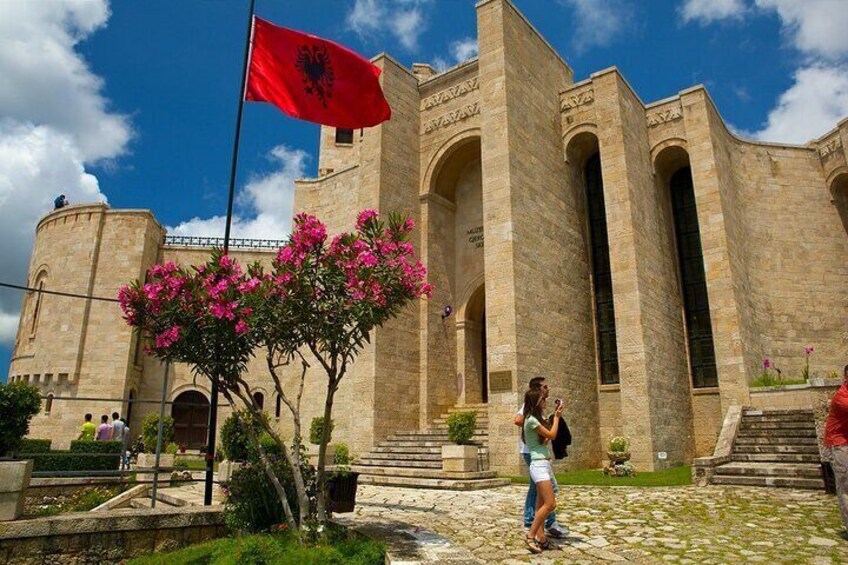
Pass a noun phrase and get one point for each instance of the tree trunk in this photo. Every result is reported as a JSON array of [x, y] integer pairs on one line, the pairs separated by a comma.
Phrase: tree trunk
[[322, 450]]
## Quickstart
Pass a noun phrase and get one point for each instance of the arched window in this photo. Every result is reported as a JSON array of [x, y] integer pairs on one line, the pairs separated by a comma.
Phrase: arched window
[[48, 404], [702, 362], [279, 407], [39, 296], [259, 400], [601, 273]]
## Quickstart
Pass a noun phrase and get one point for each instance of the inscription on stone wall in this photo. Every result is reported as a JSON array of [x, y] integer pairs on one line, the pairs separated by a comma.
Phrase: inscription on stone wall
[[475, 236], [664, 117], [449, 94], [451, 118], [500, 381], [574, 100], [827, 150]]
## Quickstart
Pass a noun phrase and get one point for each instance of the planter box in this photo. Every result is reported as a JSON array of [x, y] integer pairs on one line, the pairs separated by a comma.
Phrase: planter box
[[459, 458], [148, 460], [14, 480], [227, 468], [341, 492]]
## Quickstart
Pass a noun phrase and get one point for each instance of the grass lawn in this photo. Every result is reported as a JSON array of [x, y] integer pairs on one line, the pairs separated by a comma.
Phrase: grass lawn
[[676, 476], [346, 548], [195, 464]]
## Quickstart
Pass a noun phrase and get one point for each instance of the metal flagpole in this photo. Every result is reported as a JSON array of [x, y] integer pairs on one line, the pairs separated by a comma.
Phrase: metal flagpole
[[213, 404], [159, 433]]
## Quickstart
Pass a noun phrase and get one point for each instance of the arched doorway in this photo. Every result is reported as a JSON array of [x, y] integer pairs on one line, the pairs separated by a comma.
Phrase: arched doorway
[[471, 345], [191, 419]]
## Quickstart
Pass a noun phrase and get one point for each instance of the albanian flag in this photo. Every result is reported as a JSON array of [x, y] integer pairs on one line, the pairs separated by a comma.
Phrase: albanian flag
[[314, 79]]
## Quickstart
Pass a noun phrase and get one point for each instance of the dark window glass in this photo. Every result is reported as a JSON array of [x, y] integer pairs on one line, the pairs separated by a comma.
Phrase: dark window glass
[[696, 303], [344, 135], [602, 275], [259, 399], [278, 407]]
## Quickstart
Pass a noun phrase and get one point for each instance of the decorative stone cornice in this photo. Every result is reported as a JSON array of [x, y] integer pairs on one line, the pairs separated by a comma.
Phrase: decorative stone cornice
[[664, 116], [828, 149], [578, 99], [449, 94], [451, 118]]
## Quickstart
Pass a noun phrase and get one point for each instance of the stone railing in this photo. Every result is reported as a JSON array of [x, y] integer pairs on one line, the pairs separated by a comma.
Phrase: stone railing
[[235, 242]]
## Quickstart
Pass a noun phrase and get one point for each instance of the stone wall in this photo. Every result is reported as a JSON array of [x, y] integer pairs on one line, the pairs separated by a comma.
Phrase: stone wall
[[86, 537]]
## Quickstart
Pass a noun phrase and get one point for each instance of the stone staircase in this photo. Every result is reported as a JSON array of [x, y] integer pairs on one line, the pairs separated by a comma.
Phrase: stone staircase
[[775, 448], [414, 458]]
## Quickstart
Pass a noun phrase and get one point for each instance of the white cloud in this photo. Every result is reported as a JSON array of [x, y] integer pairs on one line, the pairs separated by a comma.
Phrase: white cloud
[[55, 120], [813, 105], [597, 22], [265, 203], [708, 11], [403, 19], [460, 51], [815, 27]]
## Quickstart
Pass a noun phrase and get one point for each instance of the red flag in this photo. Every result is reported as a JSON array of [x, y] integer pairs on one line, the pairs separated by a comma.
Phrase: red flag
[[314, 79]]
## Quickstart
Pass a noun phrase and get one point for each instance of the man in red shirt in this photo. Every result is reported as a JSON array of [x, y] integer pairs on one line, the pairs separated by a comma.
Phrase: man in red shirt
[[836, 438]]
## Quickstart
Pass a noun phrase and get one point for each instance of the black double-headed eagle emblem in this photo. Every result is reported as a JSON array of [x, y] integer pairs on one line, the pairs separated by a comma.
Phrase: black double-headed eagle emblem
[[316, 69]]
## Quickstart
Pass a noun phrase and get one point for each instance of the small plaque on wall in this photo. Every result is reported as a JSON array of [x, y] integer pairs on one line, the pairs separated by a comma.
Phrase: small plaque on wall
[[500, 381]]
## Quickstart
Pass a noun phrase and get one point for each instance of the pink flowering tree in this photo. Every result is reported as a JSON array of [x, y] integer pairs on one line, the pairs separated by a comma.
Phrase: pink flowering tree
[[320, 302]]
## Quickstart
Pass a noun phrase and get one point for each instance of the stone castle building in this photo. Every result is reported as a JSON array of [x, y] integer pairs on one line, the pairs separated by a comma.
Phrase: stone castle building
[[640, 256]]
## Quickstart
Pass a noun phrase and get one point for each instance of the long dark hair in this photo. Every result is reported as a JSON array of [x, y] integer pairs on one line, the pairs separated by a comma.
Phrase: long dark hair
[[532, 406]]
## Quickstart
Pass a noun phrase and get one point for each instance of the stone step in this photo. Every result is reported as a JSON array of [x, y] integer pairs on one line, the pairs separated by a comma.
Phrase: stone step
[[368, 462], [777, 457], [481, 407], [784, 432], [791, 425], [778, 413], [774, 440], [432, 436], [147, 502], [442, 422], [812, 448], [407, 450], [424, 473], [770, 469], [761, 481], [443, 484], [167, 498], [417, 443], [406, 456]]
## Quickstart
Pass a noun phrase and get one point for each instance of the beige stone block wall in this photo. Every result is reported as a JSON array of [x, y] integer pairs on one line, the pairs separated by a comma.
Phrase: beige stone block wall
[[707, 418], [609, 415], [791, 397], [334, 157]]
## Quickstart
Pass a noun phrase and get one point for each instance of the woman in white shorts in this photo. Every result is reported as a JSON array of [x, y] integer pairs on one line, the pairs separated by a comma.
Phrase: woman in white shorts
[[536, 436]]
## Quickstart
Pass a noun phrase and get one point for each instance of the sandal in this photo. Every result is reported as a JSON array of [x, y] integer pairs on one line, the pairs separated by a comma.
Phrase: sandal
[[545, 545], [532, 544]]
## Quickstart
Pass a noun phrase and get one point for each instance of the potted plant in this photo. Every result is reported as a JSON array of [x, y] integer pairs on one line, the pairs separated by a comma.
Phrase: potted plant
[[150, 433], [341, 486], [235, 444], [19, 402], [461, 456], [619, 455]]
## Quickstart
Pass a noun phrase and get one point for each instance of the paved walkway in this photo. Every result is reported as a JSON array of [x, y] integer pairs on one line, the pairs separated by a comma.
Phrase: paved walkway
[[682, 525]]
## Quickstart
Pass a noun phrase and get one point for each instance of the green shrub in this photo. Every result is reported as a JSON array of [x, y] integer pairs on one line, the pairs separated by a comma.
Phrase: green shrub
[[72, 461], [316, 430], [461, 427], [35, 445], [341, 455], [80, 501], [619, 444], [235, 436], [252, 504], [171, 449], [19, 402], [81, 446], [150, 431]]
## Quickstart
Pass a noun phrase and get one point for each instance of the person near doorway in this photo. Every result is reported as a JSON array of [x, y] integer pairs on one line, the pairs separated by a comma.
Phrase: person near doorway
[[125, 445], [537, 437], [836, 439], [87, 430], [553, 529], [104, 431]]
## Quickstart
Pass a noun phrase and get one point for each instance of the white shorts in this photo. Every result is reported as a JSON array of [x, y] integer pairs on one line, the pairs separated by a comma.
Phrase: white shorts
[[540, 470]]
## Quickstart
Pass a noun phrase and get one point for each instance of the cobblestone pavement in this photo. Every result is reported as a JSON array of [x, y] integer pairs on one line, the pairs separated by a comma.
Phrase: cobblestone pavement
[[707, 525]]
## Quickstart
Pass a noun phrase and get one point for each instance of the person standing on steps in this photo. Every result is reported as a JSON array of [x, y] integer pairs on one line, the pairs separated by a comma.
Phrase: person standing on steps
[[553, 529]]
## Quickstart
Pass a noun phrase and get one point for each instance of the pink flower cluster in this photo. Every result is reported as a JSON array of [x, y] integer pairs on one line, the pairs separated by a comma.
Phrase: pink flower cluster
[[808, 350]]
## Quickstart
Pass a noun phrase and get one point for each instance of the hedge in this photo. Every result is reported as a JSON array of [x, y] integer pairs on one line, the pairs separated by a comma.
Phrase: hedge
[[72, 461], [80, 446], [35, 445]]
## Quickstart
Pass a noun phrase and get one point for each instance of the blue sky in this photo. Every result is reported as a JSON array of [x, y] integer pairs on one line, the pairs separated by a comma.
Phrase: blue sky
[[135, 102]]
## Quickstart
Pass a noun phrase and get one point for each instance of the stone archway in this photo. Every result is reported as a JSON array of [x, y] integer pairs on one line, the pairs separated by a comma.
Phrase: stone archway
[[471, 348], [191, 419]]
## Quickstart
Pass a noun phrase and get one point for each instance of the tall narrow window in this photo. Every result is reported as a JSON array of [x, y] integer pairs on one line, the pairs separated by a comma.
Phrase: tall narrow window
[[702, 362], [259, 400], [48, 404], [344, 135], [37, 309], [601, 273], [278, 408]]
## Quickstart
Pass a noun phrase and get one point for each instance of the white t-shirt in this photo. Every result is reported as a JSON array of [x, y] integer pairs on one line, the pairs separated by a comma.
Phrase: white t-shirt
[[522, 447]]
